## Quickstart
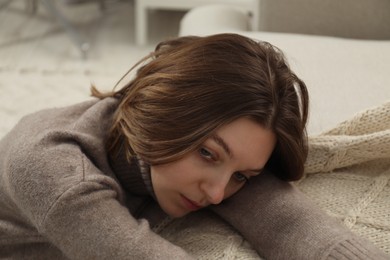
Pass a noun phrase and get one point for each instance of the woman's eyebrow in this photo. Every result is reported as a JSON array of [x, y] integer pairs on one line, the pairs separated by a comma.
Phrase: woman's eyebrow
[[217, 139]]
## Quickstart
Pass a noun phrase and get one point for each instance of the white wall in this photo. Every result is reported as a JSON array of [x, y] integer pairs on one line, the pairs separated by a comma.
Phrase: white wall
[[366, 19]]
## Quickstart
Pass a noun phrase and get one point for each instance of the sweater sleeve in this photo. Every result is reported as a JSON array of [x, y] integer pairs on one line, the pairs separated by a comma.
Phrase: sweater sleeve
[[78, 209], [87, 222], [280, 222]]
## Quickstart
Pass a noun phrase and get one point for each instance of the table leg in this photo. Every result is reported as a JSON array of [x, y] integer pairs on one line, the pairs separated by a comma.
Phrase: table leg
[[141, 23]]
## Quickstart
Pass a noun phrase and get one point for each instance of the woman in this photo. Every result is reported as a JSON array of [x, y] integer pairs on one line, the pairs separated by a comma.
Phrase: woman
[[203, 118]]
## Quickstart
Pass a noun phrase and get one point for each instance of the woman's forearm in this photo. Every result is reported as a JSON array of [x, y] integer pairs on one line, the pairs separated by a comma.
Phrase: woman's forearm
[[282, 223]]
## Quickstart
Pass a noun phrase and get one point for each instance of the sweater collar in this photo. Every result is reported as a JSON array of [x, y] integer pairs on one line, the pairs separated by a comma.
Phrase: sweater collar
[[133, 174]]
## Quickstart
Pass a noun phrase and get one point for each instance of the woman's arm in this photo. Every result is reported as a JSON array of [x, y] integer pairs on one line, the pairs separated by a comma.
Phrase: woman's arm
[[87, 222], [282, 223], [66, 202]]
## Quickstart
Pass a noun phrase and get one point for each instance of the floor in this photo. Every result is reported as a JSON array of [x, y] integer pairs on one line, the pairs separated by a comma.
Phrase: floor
[[28, 38], [41, 67]]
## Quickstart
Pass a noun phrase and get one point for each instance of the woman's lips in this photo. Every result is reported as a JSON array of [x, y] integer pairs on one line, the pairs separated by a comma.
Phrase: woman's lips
[[191, 205]]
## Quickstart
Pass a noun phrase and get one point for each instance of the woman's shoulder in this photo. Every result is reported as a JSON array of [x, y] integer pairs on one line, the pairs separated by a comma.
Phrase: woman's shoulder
[[61, 118], [56, 115], [56, 149], [59, 136]]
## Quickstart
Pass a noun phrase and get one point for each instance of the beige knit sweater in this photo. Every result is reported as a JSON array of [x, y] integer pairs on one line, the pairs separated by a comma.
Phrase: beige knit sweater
[[62, 197]]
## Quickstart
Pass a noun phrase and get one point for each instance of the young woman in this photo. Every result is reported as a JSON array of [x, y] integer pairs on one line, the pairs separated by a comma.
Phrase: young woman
[[203, 118]]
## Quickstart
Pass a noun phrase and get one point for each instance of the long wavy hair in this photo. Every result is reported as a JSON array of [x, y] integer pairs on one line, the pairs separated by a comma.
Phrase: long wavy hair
[[190, 86]]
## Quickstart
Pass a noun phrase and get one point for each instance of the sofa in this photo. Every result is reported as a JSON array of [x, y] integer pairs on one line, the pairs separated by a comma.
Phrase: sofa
[[348, 169]]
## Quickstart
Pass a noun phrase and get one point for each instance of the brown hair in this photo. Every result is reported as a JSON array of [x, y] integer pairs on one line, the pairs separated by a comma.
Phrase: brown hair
[[190, 86]]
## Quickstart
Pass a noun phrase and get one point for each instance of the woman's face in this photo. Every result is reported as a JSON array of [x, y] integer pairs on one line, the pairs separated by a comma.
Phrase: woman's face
[[216, 170]]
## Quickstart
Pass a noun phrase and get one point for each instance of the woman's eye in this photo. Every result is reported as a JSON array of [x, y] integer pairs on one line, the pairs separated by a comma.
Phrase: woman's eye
[[205, 153], [239, 177]]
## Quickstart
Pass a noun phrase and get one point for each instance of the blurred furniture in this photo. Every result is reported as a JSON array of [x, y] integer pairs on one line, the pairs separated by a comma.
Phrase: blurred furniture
[[358, 19], [143, 6], [4, 4], [75, 36]]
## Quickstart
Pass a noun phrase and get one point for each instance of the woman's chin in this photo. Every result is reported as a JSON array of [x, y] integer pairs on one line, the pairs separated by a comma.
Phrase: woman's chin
[[176, 213]]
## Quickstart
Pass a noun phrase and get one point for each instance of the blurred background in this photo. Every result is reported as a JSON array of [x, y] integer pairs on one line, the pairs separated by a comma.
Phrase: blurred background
[[33, 36], [51, 51], [41, 63], [53, 35]]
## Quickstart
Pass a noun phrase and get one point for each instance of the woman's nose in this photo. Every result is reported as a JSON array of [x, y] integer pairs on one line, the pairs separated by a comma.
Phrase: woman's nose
[[215, 189]]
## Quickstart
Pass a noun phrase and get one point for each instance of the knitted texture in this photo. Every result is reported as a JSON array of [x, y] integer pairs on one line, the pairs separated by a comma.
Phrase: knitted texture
[[347, 175], [205, 236]]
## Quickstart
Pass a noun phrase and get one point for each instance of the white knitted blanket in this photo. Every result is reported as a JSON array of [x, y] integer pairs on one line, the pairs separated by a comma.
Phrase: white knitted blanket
[[347, 174]]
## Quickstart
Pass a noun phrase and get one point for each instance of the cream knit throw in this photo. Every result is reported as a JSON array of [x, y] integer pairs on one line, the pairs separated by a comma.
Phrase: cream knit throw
[[348, 172]]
